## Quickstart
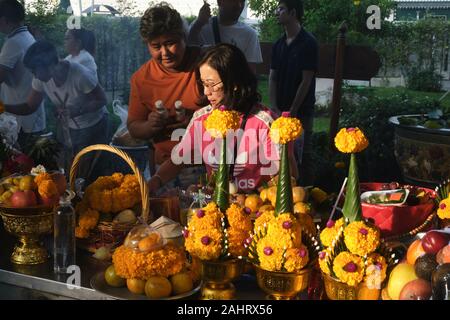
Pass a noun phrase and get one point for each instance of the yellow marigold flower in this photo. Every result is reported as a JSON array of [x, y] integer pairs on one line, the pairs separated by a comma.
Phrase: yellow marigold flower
[[331, 232], [204, 244], [88, 219], [296, 259], [361, 239], [350, 140], [164, 262], [285, 229], [319, 195], [205, 219], [270, 256], [323, 261], [348, 268], [285, 129], [237, 218], [221, 121], [263, 219], [81, 233], [47, 189], [376, 268], [443, 211], [236, 241], [42, 177]]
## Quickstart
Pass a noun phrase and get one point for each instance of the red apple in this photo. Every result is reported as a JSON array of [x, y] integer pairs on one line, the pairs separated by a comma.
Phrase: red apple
[[418, 289], [433, 241], [22, 199], [31, 196], [60, 181]]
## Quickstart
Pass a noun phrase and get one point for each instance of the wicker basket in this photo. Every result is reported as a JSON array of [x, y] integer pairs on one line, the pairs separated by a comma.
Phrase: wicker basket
[[110, 233]]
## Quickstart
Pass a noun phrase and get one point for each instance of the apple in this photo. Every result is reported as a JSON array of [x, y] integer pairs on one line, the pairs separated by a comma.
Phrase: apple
[[399, 277], [31, 196], [433, 241], [60, 181], [418, 289], [22, 199]]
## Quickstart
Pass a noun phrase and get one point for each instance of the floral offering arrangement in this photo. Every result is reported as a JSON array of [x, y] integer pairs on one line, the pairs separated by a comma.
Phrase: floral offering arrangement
[[353, 252], [147, 264], [219, 230], [281, 241], [109, 198]]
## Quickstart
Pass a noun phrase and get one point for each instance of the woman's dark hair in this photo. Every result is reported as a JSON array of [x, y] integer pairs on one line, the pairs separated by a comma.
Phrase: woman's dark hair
[[12, 10], [40, 54], [159, 20], [239, 81], [294, 4], [86, 38]]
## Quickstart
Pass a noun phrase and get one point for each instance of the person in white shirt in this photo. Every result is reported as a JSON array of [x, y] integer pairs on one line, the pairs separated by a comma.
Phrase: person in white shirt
[[80, 44], [79, 100], [226, 28], [15, 79]]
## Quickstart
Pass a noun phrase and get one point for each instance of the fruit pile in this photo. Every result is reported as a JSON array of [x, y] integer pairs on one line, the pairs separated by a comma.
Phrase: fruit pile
[[155, 287], [22, 191], [265, 201], [427, 260]]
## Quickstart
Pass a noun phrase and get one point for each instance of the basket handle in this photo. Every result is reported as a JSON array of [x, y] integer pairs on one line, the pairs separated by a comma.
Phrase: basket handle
[[103, 147]]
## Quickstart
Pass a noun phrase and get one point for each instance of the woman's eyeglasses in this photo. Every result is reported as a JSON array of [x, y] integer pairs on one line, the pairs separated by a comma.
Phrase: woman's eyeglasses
[[211, 86]]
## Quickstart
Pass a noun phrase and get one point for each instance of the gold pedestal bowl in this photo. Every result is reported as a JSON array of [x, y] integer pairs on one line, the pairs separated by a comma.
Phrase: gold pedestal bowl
[[28, 224], [337, 290], [282, 285], [217, 277]]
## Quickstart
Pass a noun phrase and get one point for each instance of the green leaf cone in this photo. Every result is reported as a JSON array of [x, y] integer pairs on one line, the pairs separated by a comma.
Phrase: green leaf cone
[[284, 187], [352, 206], [221, 191]]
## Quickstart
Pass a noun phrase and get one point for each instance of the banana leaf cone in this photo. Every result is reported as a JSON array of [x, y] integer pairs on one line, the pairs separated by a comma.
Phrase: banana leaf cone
[[221, 191], [284, 186], [352, 206]]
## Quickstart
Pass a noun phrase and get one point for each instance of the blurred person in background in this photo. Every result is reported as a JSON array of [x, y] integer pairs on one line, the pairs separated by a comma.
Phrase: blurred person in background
[[15, 79], [80, 45], [226, 28]]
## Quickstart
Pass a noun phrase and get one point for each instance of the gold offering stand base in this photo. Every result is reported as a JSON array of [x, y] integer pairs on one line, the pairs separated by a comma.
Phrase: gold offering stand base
[[217, 277]]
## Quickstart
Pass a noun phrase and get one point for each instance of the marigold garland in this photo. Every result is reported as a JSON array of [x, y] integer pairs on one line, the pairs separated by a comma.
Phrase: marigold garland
[[351, 140], [270, 256], [112, 194], [204, 244], [164, 262], [323, 261], [47, 189], [87, 221], [443, 211], [361, 239], [341, 268], [285, 129], [220, 121]]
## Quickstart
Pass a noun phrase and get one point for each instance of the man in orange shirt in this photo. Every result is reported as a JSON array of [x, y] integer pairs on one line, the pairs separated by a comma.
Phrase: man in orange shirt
[[168, 78]]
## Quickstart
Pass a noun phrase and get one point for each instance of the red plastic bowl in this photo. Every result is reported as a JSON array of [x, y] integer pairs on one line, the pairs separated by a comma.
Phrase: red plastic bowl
[[395, 220]]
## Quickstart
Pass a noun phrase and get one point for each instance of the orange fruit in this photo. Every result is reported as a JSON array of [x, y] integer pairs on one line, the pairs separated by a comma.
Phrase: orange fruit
[[298, 194], [158, 287], [181, 283], [136, 285], [272, 195], [253, 202], [415, 250]]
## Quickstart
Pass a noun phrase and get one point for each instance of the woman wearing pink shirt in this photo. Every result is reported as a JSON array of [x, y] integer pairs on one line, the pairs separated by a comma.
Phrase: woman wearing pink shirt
[[226, 80]]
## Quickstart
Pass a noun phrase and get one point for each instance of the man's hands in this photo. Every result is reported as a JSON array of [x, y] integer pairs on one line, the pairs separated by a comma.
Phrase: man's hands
[[203, 15]]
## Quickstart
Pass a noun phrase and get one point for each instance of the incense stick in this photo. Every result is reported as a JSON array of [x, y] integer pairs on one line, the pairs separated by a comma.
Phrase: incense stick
[[338, 198]]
